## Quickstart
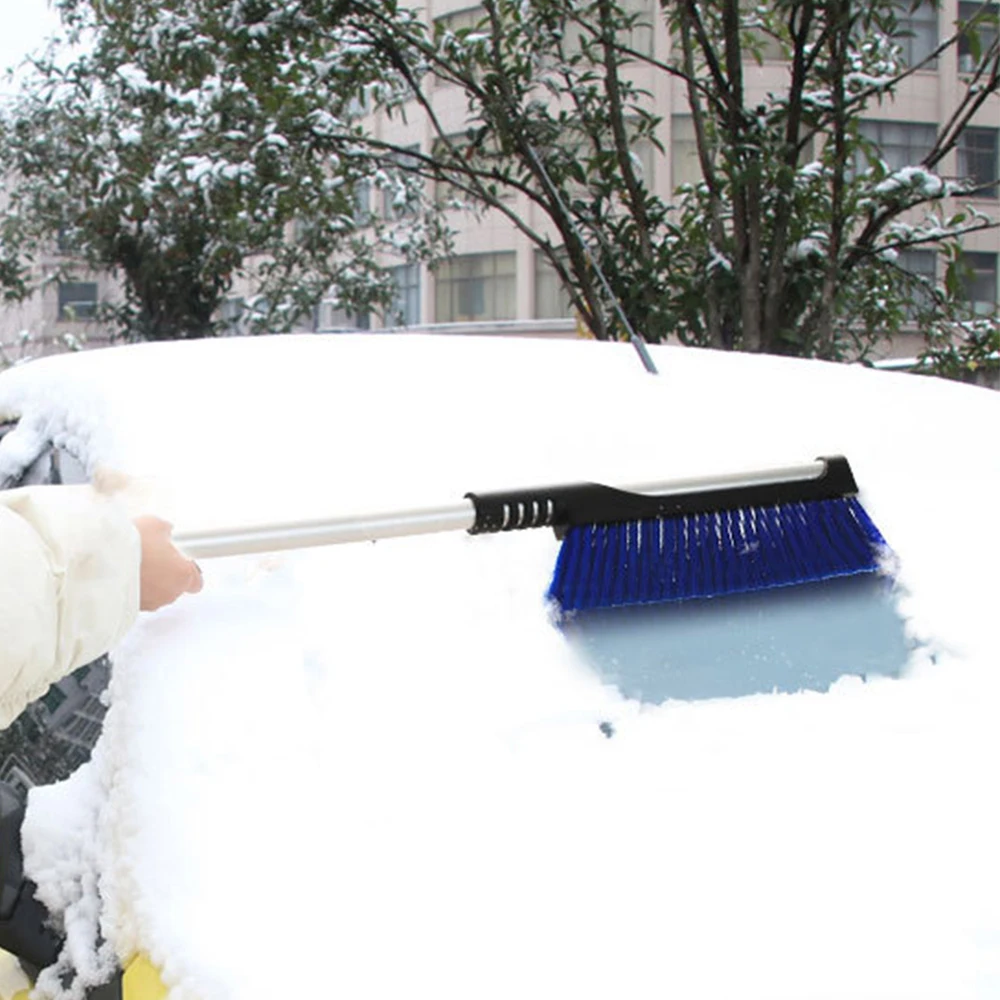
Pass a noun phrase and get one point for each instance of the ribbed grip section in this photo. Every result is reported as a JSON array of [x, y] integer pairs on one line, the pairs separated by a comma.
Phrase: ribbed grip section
[[545, 507]]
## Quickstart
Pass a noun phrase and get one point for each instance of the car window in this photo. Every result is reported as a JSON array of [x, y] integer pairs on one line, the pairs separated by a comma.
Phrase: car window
[[786, 639]]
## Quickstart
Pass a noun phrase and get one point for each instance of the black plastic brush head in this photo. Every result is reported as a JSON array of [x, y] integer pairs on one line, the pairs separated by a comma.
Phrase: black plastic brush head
[[698, 540], [561, 507]]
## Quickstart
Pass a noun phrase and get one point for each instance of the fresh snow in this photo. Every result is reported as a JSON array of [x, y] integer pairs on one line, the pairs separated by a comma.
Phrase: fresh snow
[[927, 182], [811, 246], [378, 770]]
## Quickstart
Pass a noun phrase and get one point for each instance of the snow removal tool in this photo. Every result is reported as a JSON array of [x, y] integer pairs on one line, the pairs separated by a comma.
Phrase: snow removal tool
[[671, 541], [668, 541]]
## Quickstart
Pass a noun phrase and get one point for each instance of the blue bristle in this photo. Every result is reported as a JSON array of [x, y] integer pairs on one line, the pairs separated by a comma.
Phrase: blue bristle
[[708, 555]]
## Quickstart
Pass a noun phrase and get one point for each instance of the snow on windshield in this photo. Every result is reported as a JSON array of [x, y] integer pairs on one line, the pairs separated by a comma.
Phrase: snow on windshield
[[379, 770]]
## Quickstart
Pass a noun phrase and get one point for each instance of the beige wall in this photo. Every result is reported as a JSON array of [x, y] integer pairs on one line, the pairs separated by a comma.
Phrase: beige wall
[[928, 96], [37, 326]]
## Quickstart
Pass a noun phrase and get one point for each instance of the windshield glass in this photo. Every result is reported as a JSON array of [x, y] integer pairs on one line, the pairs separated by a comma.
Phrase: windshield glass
[[786, 639]]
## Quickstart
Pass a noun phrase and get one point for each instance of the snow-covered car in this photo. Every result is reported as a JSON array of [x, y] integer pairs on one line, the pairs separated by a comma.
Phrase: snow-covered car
[[388, 769]]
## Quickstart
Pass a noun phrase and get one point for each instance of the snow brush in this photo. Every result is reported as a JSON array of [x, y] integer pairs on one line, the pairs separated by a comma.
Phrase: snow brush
[[671, 541]]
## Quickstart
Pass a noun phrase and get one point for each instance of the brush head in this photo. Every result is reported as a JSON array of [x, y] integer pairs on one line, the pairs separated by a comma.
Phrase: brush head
[[709, 554], [561, 507]]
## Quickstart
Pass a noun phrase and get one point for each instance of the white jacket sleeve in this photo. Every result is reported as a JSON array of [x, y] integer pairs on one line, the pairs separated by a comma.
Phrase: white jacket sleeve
[[69, 586]]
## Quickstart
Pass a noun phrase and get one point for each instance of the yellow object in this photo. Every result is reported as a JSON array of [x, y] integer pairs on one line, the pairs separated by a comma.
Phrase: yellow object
[[140, 981], [14, 984]]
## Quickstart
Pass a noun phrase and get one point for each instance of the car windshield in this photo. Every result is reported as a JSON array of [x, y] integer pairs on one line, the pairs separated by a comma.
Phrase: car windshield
[[791, 639]]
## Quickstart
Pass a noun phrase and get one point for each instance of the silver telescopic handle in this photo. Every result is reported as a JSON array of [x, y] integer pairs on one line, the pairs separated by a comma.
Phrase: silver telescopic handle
[[326, 531], [461, 516], [762, 477]]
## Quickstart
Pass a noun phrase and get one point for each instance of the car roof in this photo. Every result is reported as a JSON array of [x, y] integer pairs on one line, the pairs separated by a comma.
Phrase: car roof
[[375, 419]]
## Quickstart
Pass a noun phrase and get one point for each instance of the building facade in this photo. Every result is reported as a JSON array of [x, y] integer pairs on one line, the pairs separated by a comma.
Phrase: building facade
[[62, 315], [496, 276], [496, 279]]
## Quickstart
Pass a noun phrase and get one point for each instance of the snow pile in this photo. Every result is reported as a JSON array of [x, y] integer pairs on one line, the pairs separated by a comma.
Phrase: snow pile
[[379, 770], [927, 182], [63, 835]]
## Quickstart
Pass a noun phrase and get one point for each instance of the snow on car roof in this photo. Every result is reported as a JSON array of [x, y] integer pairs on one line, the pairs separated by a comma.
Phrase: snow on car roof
[[379, 769]]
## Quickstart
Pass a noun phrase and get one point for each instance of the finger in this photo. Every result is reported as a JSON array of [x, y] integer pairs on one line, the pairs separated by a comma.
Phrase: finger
[[195, 579]]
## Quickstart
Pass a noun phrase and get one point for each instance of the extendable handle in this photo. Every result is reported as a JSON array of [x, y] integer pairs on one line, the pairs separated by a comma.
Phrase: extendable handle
[[211, 542], [558, 507]]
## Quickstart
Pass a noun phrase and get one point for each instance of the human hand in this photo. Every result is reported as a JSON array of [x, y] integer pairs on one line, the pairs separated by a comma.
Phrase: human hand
[[164, 573]]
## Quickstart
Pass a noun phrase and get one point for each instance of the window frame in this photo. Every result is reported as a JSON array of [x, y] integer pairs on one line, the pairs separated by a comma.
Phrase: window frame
[[450, 288], [983, 268], [882, 146], [966, 10], [915, 261], [77, 309], [980, 164], [546, 277], [406, 301], [910, 21]]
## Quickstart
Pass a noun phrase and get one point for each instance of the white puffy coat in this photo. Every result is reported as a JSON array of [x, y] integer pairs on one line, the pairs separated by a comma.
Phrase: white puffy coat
[[69, 586]]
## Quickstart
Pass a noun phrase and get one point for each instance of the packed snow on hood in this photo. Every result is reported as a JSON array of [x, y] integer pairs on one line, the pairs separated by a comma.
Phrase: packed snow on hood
[[379, 770]]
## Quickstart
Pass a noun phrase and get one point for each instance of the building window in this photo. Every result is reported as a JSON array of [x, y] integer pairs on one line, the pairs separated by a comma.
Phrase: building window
[[405, 308], [67, 241], [579, 33], [685, 167], [82, 730], [644, 153], [921, 264], [53, 698], [77, 300], [362, 199], [552, 300], [898, 144], [685, 164], [919, 31], [18, 778], [460, 20], [331, 318], [758, 42], [443, 152], [231, 311], [978, 159], [455, 152], [985, 34], [397, 199], [638, 38], [980, 282], [476, 287]]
